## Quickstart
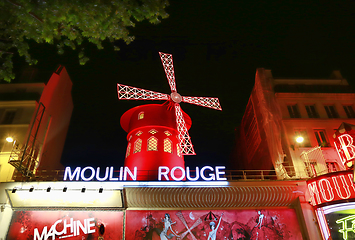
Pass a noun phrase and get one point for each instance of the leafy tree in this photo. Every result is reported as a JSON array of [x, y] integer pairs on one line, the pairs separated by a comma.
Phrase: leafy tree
[[68, 23]]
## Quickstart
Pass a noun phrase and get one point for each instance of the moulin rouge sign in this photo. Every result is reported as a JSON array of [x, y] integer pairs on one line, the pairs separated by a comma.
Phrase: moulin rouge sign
[[206, 173], [331, 187]]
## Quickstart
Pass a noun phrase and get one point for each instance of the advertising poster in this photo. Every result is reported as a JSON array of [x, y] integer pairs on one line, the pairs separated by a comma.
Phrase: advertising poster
[[69, 225], [212, 225]]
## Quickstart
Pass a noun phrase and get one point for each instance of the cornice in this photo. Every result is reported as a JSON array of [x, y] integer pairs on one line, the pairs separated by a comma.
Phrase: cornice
[[211, 197], [343, 96]]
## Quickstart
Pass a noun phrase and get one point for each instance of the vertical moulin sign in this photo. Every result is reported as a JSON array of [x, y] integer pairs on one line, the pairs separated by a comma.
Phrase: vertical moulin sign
[[158, 134], [344, 142]]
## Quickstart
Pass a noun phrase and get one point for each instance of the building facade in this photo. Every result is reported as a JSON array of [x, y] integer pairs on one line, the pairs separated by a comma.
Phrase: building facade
[[289, 124], [304, 191], [34, 120]]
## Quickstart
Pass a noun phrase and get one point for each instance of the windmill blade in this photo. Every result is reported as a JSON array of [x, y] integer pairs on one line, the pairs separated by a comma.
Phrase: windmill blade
[[128, 92], [182, 219], [167, 60], [184, 137], [204, 102]]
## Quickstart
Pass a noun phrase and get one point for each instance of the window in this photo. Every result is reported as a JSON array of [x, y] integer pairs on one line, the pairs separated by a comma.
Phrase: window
[[321, 137], [332, 167], [331, 111], [303, 133], [8, 117], [178, 150], [167, 133], [140, 115], [167, 145], [152, 144], [128, 149], [137, 145], [153, 131], [139, 133], [349, 111], [312, 111], [293, 111]]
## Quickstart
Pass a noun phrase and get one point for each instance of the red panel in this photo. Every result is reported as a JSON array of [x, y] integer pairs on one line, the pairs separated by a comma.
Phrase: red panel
[[36, 224], [273, 224]]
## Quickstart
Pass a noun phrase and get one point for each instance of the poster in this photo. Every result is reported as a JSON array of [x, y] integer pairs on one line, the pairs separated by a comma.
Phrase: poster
[[69, 225], [259, 224]]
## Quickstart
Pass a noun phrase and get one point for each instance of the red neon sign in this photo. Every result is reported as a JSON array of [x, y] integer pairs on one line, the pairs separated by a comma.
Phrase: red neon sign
[[331, 187], [345, 148]]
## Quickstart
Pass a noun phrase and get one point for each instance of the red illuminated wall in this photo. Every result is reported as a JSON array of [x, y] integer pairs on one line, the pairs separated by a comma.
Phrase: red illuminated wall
[[56, 98], [276, 224], [25, 224]]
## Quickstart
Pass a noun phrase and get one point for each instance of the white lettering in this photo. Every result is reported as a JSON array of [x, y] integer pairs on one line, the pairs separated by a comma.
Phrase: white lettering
[[313, 190], [91, 176], [71, 225], [111, 175], [188, 175], [211, 175], [349, 148], [55, 228], [43, 236], [164, 173], [92, 224], [98, 174], [133, 176], [71, 176], [218, 172], [345, 186], [172, 173], [328, 188]]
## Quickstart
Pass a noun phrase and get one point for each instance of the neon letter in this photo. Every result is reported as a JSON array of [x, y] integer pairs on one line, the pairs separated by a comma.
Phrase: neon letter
[[349, 149], [98, 174], [212, 176], [83, 173], [218, 172], [111, 175], [345, 186], [188, 176], [164, 173], [71, 176], [133, 176], [172, 173], [313, 190], [328, 188]]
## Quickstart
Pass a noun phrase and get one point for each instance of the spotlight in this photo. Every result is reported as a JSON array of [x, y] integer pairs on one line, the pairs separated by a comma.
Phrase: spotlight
[[48, 189], [101, 190], [10, 139], [14, 190], [83, 190], [299, 139], [31, 189], [65, 189]]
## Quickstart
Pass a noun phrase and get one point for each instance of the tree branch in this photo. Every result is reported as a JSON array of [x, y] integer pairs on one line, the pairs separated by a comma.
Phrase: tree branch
[[31, 13]]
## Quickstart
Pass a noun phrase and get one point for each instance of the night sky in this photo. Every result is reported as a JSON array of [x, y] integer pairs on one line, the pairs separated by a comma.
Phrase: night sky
[[217, 47]]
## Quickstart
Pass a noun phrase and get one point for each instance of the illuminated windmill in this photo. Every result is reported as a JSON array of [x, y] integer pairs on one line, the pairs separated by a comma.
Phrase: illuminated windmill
[[130, 120]]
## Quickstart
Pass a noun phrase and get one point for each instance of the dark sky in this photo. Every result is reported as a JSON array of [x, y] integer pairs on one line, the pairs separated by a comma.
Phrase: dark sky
[[217, 47]]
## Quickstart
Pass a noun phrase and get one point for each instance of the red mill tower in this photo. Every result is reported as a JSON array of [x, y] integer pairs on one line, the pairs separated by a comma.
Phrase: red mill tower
[[157, 134]]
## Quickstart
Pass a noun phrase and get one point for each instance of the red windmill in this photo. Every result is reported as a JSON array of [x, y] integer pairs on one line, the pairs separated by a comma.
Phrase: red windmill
[[183, 121]]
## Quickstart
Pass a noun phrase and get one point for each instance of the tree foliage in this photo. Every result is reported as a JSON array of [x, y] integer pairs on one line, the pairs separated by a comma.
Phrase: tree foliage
[[68, 23]]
